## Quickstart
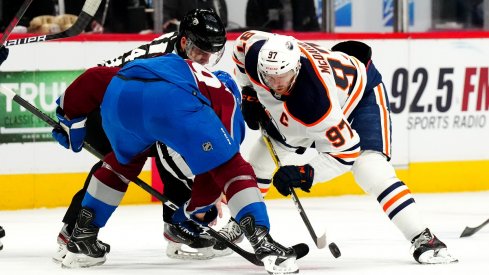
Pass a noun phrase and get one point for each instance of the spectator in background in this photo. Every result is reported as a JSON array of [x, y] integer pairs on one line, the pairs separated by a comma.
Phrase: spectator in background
[[297, 15], [470, 13], [175, 10], [9, 9], [265, 14], [113, 16], [304, 16]]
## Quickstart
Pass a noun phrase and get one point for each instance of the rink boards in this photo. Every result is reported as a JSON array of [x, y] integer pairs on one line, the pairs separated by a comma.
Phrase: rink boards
[[438, 86]]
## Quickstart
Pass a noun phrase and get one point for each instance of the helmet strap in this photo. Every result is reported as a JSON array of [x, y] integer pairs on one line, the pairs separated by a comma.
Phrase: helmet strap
[[180, 51]]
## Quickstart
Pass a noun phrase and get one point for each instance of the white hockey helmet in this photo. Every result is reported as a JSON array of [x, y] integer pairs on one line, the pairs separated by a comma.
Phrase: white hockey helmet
[[279, 56]]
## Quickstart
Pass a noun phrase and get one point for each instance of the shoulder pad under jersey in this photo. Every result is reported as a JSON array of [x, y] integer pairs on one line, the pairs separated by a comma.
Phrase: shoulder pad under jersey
[[161, 45]]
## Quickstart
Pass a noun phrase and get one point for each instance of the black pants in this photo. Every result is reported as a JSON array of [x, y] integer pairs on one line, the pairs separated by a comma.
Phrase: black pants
[[174, 190]]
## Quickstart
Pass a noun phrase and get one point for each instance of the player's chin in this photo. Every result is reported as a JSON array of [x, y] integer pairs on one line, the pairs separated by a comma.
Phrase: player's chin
[[281, 91]]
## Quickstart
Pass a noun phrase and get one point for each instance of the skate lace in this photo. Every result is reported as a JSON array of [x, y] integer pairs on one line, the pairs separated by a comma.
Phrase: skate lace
[[188, 231], [231, 231], [423, 238]]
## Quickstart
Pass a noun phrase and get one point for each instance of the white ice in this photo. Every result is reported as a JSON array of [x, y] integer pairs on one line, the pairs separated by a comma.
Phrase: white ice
[[369, 242]]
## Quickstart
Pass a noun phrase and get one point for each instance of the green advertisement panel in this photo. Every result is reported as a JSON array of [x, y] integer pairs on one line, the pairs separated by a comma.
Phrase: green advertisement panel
[[41, 89]]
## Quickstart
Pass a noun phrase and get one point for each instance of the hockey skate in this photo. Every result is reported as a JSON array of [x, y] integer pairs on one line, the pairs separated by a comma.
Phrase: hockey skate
[[84, 249], [62, 240], [233, 233], [185, 242], [428, 249], [276, 258], [2, 234]]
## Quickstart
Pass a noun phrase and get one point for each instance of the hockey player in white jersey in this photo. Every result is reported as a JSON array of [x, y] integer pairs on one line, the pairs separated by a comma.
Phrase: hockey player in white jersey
[[305, 96]]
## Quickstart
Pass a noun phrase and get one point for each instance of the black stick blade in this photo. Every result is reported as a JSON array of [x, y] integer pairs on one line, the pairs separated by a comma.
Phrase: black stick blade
[[469, 231], [301, 250]]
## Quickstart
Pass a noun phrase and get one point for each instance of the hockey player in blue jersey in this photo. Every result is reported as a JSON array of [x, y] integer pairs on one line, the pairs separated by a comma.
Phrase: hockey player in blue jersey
[[177, 96], [201, 38], [307, 96]]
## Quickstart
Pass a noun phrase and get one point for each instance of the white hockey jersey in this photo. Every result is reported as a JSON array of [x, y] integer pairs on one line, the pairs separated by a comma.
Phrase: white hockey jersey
[[328, 88]]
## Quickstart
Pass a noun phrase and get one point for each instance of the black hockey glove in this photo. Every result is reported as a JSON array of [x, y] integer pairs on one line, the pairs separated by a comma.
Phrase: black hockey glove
[[253, 111], [293, 176]]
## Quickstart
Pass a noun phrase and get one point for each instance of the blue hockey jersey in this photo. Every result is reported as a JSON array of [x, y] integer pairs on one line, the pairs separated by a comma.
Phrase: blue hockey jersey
[[177, 102]]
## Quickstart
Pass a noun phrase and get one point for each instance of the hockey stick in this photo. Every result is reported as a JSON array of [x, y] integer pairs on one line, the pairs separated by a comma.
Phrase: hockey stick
[[15, 21], [469, 231], [88, 11], [321, 241], [11, 95]]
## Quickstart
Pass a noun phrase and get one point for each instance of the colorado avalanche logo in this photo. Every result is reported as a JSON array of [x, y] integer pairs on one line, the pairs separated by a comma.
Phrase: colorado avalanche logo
[[207, 146]]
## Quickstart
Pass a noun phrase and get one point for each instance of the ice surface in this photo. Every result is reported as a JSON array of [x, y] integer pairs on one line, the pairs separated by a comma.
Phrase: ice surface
[[369, 242]]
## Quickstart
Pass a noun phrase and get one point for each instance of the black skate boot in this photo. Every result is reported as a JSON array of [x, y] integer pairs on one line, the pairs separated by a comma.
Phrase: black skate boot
[[188, 234], [428, 249], [233, 233], [84, 249], [276, 258], [2, 234]]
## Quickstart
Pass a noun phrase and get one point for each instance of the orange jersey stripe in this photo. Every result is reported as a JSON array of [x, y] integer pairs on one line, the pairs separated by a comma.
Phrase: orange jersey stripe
[[347, 155], [385, 118], [257, 83], [237, 61], [352, 99], [395, 198]]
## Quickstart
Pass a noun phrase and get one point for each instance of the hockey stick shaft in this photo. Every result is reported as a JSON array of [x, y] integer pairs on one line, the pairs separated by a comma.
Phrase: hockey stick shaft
[[15, 21], [320, 242], [11, 95], [88, 11], [469, 231]]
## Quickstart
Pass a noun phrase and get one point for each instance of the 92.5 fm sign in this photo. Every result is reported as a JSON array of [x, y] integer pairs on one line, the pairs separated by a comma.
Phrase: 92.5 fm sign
[[449, 98]]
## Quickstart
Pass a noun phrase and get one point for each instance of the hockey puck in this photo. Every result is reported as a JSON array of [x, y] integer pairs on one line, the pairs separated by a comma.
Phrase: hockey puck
[[301, 250], [334, 250]]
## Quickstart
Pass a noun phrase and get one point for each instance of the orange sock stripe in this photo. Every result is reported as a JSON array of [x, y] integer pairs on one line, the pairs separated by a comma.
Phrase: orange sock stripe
[[395, 198], [264, 191]]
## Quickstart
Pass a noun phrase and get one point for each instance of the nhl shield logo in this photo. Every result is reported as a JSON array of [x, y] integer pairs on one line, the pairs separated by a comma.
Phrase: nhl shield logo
[[207, 146]]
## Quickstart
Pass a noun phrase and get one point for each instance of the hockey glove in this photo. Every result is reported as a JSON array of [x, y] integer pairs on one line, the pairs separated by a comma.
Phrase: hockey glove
[[3, 54], [253, 111], [74, 131], [293, 176], [210, 214]]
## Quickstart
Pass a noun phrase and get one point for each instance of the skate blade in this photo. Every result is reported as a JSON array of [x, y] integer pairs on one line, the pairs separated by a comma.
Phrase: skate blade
[[223, 252], [288, 266], [57, 260], [183, 252], [60, 254], [440, 257], [73, 260]]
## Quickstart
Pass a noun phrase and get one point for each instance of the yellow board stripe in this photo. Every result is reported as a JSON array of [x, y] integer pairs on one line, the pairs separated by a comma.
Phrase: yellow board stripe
[[423, 177], [56, 190]]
